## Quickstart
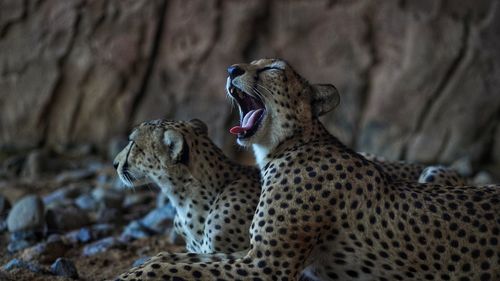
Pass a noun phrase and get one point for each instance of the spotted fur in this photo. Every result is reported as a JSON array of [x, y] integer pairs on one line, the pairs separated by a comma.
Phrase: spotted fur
[[441, 175], [214, 197], [403, 171], [327, 212]]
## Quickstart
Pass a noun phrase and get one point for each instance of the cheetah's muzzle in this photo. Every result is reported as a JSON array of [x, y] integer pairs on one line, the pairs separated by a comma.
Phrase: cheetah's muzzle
[[252, 111]]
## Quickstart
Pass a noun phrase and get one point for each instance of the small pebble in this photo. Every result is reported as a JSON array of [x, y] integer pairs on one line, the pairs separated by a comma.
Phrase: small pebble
[[27, 214], [64, 194], [159, 220], [135, 230], [101, 230], [46, 252], [463, 166], [25, 235], [102, 246], [18, 245], [140, 261], [84, 235], [18, 263], [483, 178], [64, 267], [86, 202], [87, 234], [64, 219]]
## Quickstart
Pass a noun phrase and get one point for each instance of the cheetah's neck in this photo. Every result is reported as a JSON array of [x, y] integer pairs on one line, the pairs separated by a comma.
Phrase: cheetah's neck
[[193, 194], [313, 132]]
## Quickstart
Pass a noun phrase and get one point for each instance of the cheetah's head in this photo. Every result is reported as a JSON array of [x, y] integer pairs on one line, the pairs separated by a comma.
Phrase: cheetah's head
[[274, 101], [159, 151]]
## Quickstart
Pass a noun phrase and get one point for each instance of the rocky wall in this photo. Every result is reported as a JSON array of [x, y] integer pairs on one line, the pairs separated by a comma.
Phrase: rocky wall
[[419, 80]]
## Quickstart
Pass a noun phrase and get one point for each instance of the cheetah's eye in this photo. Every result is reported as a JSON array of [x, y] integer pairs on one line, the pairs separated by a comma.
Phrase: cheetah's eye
[[267, 68]]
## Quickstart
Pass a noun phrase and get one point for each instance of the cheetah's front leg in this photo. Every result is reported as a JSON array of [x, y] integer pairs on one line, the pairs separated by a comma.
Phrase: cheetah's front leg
[[248, 268], [166, 257]]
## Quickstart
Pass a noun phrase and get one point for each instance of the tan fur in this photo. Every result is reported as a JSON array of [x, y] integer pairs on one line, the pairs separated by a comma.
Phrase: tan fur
[[328, 213]]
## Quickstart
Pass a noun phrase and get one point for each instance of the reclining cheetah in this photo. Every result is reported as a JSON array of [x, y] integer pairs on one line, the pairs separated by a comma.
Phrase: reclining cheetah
[[215, 198], [403, 171], [327, 211]]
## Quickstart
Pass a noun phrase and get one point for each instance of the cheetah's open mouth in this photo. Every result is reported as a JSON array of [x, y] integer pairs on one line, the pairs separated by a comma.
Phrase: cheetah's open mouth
[[252, 111]]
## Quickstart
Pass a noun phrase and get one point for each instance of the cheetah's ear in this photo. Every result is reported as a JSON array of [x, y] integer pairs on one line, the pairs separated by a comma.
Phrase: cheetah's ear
[[176, 146], [199, 126], [325, 98]]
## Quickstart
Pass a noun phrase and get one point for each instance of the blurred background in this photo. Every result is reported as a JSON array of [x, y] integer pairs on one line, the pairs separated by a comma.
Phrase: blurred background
[[419, 80]]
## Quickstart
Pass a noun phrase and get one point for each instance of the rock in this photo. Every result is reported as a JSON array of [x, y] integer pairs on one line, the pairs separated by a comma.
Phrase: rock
[[86, 202], [105, 179], [136, 230], [159, 220], [4, 205], [442, 116], [17, 245], [82, 235], [25, 235], [111, 198], [27, 214], [132, 200], [101, 230], [74, 175], [102, 246], [109, 215], [18, 263], [63, 194], [54, 238], [23, 239], [45, 252], [140, 261], [64, 267], [64, 219], [463, 166], [86, 234], [483, 178]]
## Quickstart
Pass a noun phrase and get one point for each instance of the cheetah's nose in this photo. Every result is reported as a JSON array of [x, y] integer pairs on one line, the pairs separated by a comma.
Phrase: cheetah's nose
[[235, 71], [115, 164]]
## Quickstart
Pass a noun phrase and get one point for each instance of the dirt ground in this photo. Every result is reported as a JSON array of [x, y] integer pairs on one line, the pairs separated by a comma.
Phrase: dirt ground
[[102, 266], [52, 167]]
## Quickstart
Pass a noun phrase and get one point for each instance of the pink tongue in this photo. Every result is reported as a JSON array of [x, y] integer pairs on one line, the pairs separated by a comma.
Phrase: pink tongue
[[247, 123]]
